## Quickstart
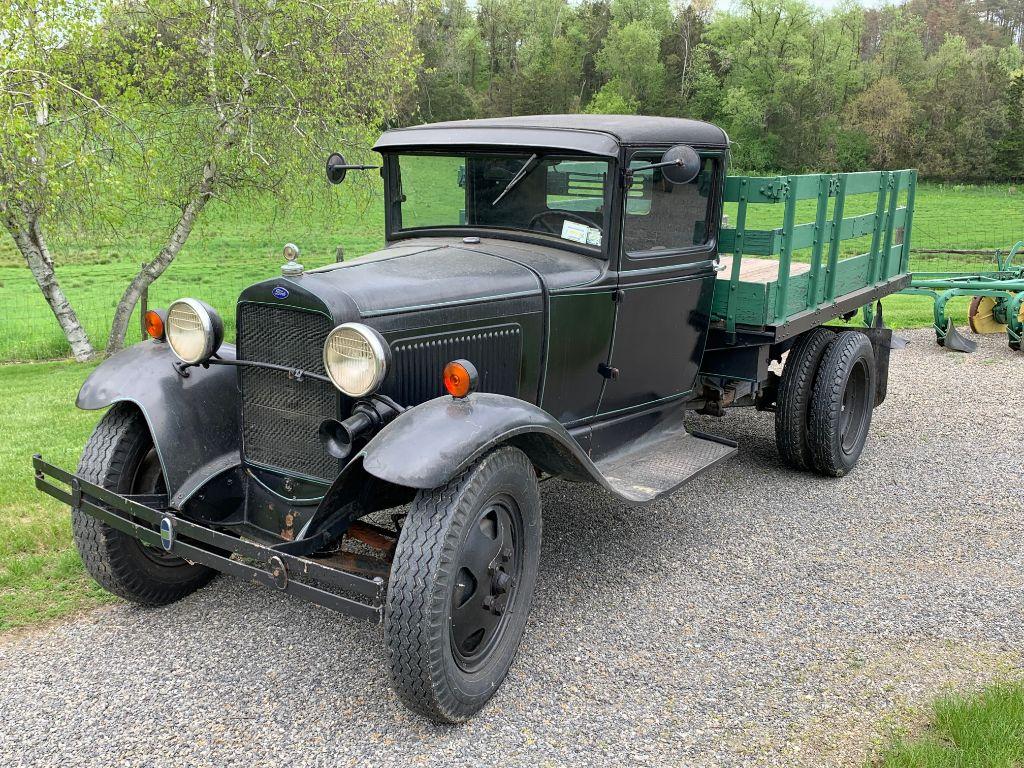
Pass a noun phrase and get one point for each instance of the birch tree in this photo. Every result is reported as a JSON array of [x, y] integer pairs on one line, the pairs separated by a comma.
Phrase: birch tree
[[58, 133], [247, 95]]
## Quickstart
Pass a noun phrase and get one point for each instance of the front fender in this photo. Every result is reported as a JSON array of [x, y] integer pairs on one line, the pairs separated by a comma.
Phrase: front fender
[[428, 445], [193, 419]]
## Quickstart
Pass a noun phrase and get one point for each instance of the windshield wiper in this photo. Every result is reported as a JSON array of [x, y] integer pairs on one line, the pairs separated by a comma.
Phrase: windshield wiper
[[520, 175]]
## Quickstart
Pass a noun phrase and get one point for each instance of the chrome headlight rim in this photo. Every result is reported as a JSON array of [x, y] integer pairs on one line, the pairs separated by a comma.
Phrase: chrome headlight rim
[[381, 354], [211, 324]]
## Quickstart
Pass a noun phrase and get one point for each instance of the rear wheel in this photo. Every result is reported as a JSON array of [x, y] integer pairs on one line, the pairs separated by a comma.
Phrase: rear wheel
[[461, 586], [121, 456], [792, 410], [842, 404]]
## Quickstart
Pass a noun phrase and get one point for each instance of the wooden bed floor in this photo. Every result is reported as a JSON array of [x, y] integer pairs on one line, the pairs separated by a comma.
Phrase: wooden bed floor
[[759, 270]]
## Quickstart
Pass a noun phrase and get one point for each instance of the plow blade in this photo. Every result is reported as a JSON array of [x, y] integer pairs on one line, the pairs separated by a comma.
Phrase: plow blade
[[953, 339]]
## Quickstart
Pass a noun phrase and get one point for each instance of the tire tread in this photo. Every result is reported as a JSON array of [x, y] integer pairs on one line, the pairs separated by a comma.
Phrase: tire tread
[[414, 622], [829, 387], [105, 551], [796, 389]]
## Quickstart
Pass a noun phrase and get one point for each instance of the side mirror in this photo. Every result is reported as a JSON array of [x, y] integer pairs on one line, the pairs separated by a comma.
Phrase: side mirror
[[338, 168], [680, 164]]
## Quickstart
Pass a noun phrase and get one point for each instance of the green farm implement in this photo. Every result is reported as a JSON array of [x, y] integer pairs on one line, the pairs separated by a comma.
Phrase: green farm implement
[[997, 304]]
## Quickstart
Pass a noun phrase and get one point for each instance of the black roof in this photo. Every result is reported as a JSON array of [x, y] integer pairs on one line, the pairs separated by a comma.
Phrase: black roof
[[593, 134]]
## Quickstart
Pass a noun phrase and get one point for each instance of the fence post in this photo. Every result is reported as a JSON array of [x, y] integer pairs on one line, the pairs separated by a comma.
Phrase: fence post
[[143, 307]]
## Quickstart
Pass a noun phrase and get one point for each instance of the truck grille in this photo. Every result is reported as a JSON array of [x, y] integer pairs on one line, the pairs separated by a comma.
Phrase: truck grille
[[281, 416]]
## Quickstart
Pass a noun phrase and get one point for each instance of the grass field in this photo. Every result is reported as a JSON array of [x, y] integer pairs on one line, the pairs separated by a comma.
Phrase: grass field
[[41, 576], [235, 245], [980, 730]]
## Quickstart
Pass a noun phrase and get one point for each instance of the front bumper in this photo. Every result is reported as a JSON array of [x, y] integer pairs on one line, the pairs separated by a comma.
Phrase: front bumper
[[257, 563]]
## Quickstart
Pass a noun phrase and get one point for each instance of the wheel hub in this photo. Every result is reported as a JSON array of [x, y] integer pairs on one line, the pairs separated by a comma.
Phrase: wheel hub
[[485, 587]]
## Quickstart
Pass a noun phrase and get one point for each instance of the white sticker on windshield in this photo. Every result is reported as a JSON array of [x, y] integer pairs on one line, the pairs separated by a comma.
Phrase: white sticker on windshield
[[580, 233]]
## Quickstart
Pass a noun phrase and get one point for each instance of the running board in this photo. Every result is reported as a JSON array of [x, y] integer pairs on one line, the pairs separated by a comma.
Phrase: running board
[[662, 461]]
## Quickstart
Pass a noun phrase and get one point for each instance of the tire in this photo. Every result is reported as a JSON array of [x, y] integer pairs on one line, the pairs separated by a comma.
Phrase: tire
[[120, 456], [440, 666], [842, 404], [792, 411]]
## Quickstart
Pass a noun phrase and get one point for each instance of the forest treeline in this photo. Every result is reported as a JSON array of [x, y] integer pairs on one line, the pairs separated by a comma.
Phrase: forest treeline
[[935, 84]]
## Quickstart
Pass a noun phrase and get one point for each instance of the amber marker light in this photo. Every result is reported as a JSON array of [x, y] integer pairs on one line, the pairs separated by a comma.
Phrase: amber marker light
[[154, 321], [460, 378]]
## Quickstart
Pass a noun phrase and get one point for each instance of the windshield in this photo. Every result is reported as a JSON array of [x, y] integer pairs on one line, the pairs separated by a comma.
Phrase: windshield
[[556, 195]]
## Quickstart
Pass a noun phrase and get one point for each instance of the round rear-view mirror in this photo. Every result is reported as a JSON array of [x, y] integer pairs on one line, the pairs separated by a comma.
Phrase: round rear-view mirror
[[680, 164], [337, 168]]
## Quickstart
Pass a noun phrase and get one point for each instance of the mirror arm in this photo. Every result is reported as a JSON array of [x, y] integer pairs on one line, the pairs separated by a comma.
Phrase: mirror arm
[[631, 171], [358, 167]]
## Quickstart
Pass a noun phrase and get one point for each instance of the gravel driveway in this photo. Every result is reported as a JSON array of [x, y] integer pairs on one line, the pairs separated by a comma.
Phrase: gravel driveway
[[757, 617]]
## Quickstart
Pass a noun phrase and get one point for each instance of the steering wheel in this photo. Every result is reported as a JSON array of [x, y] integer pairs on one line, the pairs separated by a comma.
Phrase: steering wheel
[[550, 228]]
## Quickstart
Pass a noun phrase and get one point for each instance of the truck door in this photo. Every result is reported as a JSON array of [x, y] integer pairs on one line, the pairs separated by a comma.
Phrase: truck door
[[666, 283]]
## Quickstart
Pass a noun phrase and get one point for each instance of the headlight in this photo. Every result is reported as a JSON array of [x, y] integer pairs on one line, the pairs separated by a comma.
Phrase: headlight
[[194, 330], [356, 358]]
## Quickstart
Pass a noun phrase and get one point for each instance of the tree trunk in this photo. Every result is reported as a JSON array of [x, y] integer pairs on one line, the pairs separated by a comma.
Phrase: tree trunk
[[28, 236], [153, 269], [225, 137]]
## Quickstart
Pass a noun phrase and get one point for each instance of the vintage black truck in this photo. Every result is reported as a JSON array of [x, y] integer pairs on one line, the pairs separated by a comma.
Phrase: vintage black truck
[[555, 294]]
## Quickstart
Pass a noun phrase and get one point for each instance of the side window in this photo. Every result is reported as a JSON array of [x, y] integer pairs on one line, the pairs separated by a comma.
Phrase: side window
[[666, 217]]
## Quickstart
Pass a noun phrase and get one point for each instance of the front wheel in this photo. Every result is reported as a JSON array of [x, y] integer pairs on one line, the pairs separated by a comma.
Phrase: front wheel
[[121, 456], [461, 586]]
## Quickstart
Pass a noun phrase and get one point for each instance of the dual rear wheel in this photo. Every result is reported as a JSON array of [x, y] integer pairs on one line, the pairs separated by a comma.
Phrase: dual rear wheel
[[825, 401]]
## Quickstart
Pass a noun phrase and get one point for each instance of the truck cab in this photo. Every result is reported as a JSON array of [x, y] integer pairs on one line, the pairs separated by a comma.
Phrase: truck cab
[[555, 294]]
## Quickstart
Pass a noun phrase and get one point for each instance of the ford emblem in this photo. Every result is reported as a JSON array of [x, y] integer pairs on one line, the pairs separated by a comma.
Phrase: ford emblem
[[280, 292], [166, 533]]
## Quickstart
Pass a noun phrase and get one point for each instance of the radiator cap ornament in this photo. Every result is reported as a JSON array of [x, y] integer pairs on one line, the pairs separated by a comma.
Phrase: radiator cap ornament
[[291, 268]]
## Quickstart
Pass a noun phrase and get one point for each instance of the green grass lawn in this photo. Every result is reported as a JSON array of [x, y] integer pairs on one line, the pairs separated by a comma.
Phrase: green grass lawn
[[232, 247], [41, 576], [983, 730]]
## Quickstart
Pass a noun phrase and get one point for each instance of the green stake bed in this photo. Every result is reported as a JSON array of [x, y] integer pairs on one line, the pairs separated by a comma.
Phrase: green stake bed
[[802, 273]]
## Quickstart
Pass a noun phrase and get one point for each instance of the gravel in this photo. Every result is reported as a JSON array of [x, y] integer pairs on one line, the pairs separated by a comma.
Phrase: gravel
[[757, 617]]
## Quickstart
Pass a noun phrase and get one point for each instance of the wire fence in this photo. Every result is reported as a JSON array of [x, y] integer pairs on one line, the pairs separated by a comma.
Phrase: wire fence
[[955, 229]]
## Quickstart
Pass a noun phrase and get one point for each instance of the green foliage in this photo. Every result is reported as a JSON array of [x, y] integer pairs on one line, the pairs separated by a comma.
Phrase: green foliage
[[928, 83], [58, 130], [610, 100], [984, 729]]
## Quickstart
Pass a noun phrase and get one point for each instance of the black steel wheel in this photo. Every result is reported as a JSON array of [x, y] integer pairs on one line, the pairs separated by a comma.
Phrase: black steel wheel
[[121, 456], [842, 404], [793, 404], [461, 586]]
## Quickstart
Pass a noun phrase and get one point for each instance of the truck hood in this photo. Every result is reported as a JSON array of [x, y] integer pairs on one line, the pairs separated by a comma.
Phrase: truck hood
[[434, 271], [429, 273], [406, 278]]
